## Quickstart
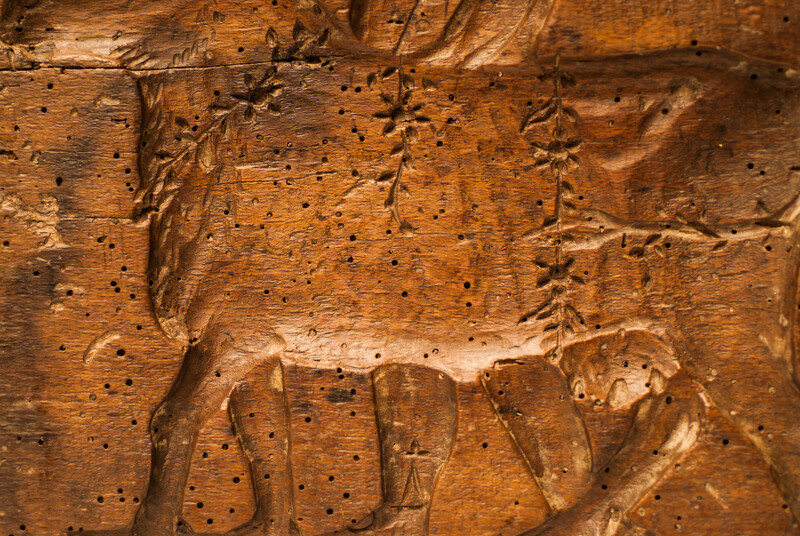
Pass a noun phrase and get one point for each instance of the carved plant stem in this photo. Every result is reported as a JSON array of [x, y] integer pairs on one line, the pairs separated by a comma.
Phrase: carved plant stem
[[396, 186], [559, 213], [401, 117], [404, 33], [169, 163], [558, 155], [158, 189]]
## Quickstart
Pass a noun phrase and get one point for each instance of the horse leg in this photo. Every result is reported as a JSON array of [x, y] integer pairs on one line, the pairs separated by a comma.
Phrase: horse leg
[[664, 428], [744, 368], [209, 372], [416, 410], [260, 416], [533, 401]]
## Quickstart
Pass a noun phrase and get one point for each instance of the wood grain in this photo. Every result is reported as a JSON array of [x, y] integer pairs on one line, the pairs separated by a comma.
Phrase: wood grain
[[522, 267]]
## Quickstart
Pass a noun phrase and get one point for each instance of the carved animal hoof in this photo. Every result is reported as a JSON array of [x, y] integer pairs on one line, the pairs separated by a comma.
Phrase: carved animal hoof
[[389, 521], [585, 520], [258, 527], [183, 530], [141, 528], [114, 532], [254, 527], [628, 528]]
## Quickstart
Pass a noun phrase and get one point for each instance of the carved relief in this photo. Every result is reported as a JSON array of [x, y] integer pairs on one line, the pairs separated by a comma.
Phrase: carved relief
[[572, 254], [404, 117], [560, 156]]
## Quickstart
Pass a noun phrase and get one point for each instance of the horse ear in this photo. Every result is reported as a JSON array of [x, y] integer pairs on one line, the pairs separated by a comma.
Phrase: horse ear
[[479, 30]]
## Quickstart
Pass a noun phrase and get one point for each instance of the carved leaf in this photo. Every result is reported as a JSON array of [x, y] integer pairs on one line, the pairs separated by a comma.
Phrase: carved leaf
[[571, 311], [652, 238], [703, 229], [567, 80], [574, 144], [372, 78], [271, 38], [428, 84], [647, 281], [389, 128], [549, 221], [259, 97], [406, 229], [270, 74], [539, 146], [249, 114], [400, 114], [547, 75], [389, 71], [385, 176], [636, 253], [299, 32], [570, 113], [770, 223], [205, 153], [539, 114], [573, 161]]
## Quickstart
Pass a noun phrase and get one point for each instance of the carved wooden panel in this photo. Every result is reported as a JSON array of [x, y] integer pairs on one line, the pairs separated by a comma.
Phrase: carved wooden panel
[[520, 267]]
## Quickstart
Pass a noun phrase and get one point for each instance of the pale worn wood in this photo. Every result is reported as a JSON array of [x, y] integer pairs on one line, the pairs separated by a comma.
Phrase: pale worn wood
[[208, 230]]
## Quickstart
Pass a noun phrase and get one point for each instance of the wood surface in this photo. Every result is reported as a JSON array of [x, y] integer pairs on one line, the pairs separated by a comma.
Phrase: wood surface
[[521, 267]]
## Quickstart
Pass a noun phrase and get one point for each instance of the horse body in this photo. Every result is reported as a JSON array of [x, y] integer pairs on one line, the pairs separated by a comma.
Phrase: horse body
[[366, 215], [288, 228]]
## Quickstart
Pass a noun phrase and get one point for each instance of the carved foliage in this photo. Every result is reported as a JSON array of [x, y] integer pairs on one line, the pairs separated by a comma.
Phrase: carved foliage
[[403, 116]]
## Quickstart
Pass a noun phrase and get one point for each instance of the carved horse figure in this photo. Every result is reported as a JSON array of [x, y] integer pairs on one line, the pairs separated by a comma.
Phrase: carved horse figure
[[516, 264], [534, 229]]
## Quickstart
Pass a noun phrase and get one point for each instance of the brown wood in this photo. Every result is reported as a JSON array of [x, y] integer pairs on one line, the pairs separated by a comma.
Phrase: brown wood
[[521, 267]]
